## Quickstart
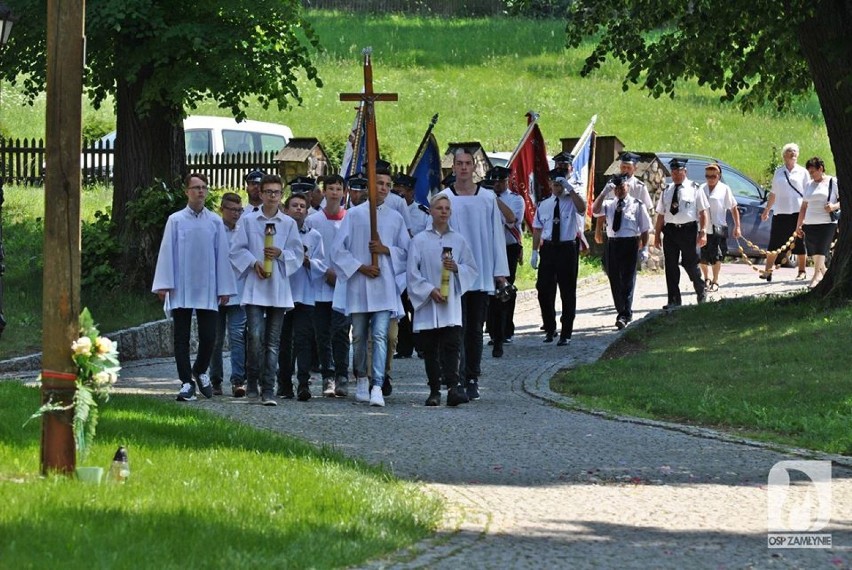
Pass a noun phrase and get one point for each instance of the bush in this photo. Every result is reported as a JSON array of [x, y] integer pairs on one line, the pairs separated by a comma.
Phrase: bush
[[100, 252]]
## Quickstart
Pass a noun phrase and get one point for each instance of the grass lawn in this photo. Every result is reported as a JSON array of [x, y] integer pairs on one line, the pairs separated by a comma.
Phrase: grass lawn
[[204, 492], [776, 370]]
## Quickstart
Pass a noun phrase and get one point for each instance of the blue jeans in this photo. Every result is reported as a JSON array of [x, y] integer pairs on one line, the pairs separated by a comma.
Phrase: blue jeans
[[377, 324], [264, 337], [235, 318]]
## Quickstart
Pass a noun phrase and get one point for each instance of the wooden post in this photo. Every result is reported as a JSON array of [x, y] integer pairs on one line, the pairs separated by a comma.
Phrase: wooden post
[[61, 297], [369, 97]]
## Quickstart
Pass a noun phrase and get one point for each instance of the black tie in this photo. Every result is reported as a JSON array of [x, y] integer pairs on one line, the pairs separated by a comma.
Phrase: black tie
[[555, 229], [616, 218], [675, 207]]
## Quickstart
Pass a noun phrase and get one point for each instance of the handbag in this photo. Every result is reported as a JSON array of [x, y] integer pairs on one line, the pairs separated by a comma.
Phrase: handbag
[[721, 231], [834, 214]]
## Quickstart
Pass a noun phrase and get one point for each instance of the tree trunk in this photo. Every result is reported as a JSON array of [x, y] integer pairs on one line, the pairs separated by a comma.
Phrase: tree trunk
[[826, 48], [148, 149]]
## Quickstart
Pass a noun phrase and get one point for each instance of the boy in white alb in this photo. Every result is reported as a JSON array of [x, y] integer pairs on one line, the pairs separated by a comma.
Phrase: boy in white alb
[[266, 295], [371, 292], [435, 253], [193, 274]]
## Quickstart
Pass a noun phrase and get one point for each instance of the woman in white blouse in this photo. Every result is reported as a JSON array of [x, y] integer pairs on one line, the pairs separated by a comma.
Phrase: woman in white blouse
[[721, 199], [816, 223]]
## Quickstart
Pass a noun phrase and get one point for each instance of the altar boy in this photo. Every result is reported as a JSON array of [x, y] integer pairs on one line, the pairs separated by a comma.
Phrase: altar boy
[[438, 316]]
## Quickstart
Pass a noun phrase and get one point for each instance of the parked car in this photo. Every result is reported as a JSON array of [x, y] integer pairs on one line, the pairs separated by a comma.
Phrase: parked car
[[207, 135], [751, 199]]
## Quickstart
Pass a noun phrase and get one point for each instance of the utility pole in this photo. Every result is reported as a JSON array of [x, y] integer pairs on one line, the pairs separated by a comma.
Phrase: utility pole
[[61, 297]]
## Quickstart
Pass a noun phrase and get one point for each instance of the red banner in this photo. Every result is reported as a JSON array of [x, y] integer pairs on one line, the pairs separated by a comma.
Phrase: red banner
[[529, 178]]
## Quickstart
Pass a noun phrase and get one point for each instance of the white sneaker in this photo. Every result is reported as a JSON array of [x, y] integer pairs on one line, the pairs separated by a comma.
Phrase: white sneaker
[[362, 390], [376, 398]]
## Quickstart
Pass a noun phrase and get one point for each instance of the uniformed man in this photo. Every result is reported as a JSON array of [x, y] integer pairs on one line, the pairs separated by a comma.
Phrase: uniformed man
[[627, 226], [500, 314], [682, 218], [555, 230], [252, 180], [635, 188]]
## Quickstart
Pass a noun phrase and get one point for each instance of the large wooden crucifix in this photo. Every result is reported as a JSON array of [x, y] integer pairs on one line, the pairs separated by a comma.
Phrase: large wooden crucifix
[[368, 97]]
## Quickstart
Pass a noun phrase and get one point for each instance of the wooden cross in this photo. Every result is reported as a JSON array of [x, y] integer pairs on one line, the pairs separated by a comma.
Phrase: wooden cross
[[368, 97]]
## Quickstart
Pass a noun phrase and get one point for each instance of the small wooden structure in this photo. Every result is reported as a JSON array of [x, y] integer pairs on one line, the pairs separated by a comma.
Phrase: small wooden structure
[[607, 149], [303, 156], [482, 163], [649, 169]]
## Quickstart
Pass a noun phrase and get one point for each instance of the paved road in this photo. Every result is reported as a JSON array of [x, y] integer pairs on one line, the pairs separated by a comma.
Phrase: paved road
[[531, 485]]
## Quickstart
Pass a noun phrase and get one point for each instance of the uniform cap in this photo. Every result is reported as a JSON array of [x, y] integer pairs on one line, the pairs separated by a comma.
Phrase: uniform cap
[[254, 176], [678, 163]]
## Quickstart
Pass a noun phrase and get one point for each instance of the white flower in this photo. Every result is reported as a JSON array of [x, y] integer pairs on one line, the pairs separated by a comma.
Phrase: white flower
[[82, 346], [104, 379], [104, 345]]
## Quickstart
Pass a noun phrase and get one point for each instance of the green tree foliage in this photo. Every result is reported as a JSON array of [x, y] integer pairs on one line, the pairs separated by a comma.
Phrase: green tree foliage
[[755, 52], [159, 59]]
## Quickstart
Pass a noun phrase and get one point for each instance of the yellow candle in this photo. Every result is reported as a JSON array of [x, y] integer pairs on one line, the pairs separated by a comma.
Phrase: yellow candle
[[268, 241]]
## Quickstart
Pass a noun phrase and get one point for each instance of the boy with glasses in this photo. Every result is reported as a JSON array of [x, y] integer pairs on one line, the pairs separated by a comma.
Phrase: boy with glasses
[[266, 250], [194, 274]]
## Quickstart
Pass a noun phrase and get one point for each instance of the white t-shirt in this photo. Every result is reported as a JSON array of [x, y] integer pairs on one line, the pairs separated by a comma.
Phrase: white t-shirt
[[816, 195], [721, 200]]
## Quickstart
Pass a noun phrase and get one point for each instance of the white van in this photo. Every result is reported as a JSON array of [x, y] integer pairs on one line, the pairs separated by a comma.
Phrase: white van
[[203, 135], [216, 135]]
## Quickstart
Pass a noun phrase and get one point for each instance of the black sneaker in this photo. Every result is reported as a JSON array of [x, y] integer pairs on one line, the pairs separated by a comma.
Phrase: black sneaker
[[471, 388], [387, 387], [303, 394], [434, 398], [456, 395], [497, 351], [217, 389], [204, 384], [267, 399], [187, 393], [285, 391]]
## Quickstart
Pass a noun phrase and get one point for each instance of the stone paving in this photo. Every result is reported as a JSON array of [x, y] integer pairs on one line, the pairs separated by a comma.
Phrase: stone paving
[[531, 485]]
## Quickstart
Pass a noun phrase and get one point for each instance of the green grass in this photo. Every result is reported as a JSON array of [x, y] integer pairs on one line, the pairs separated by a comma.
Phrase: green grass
[[204, 492], [481, 76], [23, 284], [772, 369]]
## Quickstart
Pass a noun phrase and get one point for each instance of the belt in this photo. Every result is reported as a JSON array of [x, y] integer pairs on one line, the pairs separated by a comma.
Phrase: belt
[[633, 238], [551, 242], [686, 225]]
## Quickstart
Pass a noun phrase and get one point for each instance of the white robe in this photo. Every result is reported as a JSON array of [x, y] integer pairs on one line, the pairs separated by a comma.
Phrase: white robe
[[306, 281], [247, 249], [239, 279], [328, 230], [351, 250], [193, 262], [479, 220], [400, 206], [424, 275]]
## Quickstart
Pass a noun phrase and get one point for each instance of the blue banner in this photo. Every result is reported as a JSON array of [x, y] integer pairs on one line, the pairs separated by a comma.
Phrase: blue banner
[[427, 171]]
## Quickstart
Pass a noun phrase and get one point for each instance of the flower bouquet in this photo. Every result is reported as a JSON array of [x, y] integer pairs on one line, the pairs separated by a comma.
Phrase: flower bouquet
[[96, 360]]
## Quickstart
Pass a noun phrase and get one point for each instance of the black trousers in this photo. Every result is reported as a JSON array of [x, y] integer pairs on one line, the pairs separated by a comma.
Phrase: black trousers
[[441, 353], [474, 312], [501, 324], [680, 248], [297, 332], [332, 333], [406, 339], [206, 340], [622, 254], [558, 267]]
